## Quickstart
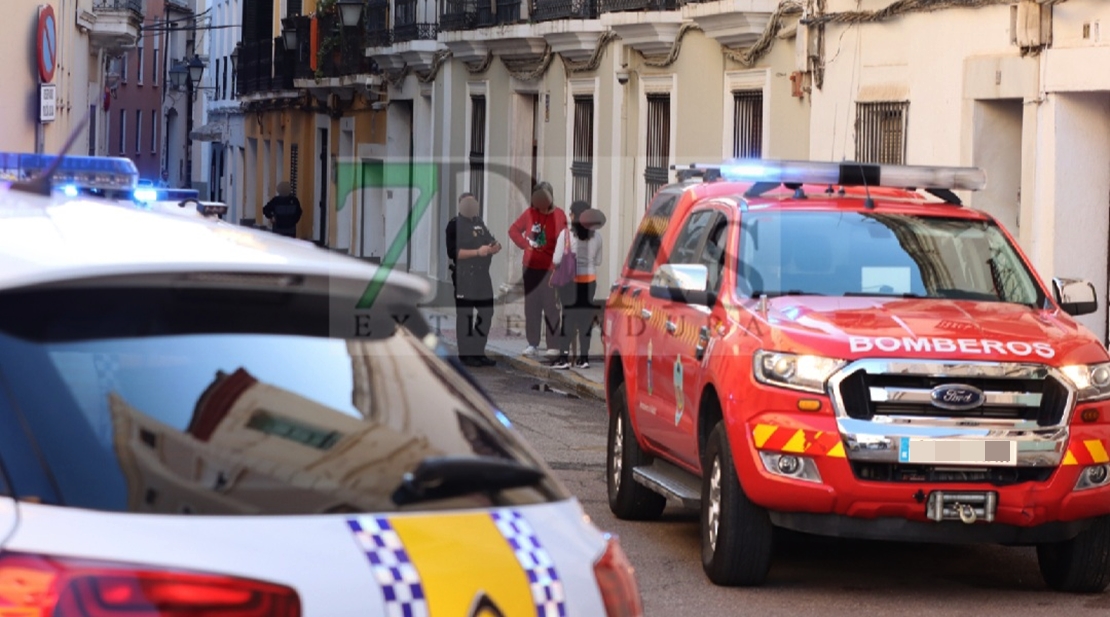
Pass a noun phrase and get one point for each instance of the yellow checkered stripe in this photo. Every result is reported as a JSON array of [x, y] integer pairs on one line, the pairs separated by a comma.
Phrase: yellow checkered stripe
[[1086, 452], [797, 441]]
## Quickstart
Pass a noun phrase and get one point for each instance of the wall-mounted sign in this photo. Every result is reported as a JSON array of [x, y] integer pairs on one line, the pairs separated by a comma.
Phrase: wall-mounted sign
[[48, 102], [46, 44]]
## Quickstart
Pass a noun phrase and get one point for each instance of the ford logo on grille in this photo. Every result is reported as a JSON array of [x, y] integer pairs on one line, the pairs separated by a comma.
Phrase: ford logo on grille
[[957, 397]]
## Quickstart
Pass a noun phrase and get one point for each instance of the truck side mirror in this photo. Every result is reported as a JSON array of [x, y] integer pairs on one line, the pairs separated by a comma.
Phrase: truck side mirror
[[1075, 296], [684, 283]]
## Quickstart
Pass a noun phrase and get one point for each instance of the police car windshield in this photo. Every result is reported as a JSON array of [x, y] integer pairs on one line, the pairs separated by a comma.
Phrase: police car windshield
[[196, 401], [877, 254]]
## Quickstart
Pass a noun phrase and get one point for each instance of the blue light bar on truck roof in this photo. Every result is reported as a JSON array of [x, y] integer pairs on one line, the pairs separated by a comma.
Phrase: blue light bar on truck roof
[[89, 172], [849, 174]]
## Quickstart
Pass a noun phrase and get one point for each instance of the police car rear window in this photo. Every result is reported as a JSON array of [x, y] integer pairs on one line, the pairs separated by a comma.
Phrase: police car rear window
[[171, 402]]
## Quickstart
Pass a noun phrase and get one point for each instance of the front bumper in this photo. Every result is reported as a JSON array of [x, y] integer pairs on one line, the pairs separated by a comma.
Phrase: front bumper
[[843, 503]]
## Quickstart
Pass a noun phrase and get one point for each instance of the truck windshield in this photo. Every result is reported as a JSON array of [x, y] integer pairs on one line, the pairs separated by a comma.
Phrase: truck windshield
[[875, 254]]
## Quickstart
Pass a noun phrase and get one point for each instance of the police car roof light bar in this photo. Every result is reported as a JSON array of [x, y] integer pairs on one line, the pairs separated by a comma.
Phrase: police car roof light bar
[[853, 174], [88, 172]]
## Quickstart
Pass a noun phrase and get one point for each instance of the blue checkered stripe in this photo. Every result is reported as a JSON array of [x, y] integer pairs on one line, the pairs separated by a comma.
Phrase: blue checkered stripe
[[396, 575], [547, 590]]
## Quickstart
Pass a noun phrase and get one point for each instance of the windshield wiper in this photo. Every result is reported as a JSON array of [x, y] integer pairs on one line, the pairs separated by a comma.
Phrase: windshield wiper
[[791, 292], [453, 476], [882, 295]]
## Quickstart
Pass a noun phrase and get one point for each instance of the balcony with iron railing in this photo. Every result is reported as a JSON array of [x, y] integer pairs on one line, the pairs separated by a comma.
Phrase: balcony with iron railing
[[548, 10], [379, 31], [264, 66], [408, 24], [339, 51], [616, 6], [107, 6], [467, 15], [117, 25]]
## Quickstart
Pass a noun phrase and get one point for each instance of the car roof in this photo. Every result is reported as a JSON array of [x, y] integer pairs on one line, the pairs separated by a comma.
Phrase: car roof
[[818, 197], [46, 240]]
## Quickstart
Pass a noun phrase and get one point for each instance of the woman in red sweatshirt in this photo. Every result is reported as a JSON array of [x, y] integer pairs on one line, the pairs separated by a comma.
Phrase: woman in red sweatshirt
[[536, 231]]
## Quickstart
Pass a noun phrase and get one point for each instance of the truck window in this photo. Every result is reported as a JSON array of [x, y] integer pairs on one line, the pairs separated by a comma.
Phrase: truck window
[[688, 245], [645, 247], [875, 254], [713, 255]]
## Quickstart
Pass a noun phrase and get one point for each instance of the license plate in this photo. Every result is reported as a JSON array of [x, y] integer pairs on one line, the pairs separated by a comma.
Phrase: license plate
[[957, 452]]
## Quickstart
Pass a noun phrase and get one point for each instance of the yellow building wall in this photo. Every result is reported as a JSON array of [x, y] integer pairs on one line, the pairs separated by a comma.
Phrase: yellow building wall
[[282, 127]]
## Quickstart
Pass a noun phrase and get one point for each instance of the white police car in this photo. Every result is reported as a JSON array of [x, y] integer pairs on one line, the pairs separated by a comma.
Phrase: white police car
[[196, 419]]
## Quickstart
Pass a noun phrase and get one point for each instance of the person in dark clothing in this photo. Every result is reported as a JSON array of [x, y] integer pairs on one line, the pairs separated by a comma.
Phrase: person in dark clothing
[[284, 211], [471, 247]]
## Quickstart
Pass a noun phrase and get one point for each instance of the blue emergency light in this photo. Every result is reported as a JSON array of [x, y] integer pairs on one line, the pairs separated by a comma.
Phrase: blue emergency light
[[149, 195], [848, 174], [74, 173]]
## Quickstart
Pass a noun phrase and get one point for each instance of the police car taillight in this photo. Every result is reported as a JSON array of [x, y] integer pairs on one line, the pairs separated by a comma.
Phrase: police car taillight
[[617, 580], [852, 174], [42, 586]]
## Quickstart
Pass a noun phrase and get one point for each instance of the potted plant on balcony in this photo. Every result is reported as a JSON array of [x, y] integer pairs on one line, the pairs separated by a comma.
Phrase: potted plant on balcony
[[331, 43]]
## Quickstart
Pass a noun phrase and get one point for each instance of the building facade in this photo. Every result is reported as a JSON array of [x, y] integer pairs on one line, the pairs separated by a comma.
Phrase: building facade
[[1011, 91], [308, 94], [136, 79], [602, 97], [89, 34]]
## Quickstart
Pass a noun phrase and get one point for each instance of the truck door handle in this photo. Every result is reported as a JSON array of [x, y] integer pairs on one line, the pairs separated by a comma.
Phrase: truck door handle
[[703, 342], [645, 314], [671, 327]]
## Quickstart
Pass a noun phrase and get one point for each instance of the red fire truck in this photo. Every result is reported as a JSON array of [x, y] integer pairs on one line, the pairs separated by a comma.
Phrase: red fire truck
[[845, 349]]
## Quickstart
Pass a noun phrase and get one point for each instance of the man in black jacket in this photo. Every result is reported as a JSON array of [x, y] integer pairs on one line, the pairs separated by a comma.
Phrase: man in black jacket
[[471, 247], [284, 211]]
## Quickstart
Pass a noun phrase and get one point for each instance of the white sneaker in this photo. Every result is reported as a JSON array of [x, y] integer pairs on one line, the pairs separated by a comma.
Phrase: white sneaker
[[529, 351], [552, 353]]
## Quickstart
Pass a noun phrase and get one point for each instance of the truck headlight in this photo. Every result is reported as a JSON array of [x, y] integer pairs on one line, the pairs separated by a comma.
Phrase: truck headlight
[[1091, 380], [797, 372]]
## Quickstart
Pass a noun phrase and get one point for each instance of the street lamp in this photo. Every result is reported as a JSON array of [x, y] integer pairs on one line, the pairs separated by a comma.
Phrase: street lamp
[[289, 33], [178, 74], [350, 11], [192, 74]]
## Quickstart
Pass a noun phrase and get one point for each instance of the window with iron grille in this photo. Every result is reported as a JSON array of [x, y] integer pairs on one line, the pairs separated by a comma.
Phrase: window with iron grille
[[881, 132], [747, 124], [582, 160], [658, 155], [477, 144]]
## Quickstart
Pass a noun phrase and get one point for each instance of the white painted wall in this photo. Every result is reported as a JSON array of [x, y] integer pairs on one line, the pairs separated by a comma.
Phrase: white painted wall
[[1079, 201], [902, 60], [997, 150]]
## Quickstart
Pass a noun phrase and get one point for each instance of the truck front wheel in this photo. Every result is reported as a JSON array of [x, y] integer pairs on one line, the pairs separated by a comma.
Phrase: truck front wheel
[[736, 534], [1079, 565], [628, 499]]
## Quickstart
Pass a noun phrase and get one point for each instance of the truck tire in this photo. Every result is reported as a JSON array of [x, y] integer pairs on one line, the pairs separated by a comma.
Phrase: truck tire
[[628, 499], [736, 535], [1079, 565]]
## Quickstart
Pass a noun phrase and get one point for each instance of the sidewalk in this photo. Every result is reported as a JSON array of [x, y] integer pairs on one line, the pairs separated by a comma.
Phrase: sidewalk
[[506, 342]]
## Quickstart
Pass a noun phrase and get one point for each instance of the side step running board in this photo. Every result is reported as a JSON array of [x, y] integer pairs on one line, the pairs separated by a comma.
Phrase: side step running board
[[671, 482]]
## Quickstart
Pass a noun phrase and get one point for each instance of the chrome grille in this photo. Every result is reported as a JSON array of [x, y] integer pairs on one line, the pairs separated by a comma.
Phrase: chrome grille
[[1041, 399]]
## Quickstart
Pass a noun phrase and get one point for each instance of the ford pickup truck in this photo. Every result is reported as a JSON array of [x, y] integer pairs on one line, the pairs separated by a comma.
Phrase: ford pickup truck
[[847, 350]]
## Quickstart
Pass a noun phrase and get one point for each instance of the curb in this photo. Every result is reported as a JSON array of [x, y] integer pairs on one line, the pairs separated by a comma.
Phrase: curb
[[568, 379]]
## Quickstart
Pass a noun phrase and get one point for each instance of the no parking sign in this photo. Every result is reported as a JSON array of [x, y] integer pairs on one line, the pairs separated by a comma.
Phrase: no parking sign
[[46, 44]]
